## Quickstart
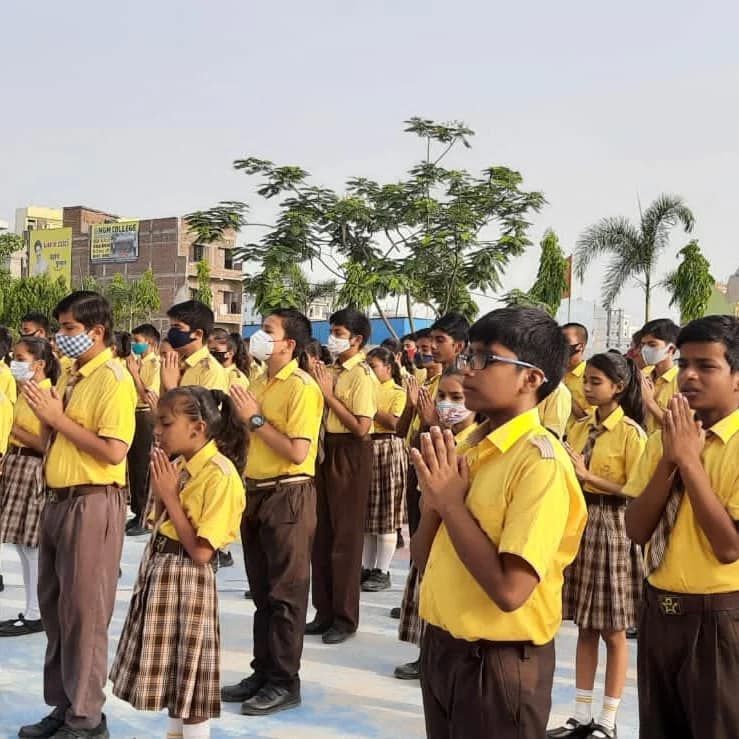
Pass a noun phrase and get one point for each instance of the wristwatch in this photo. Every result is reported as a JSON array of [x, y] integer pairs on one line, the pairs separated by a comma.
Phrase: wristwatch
[[256, 422]]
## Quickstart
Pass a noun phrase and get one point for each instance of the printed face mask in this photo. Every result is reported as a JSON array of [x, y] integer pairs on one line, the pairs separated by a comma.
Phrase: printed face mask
[[178, 338], [654, 354], [338, 346], [450, 413], [74, 346], [21, 371], [261, 346]]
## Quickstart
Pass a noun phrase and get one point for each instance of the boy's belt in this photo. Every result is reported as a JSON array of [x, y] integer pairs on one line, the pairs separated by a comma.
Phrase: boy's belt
[[274, 482], [59, 495], [682, 604], [164, 545], [23, 451], [377, 437], [610, 501]]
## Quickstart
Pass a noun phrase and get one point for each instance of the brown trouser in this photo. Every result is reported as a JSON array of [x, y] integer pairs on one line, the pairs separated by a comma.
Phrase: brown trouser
[[479, 690], [139, 455], [343, 483], [80, 546], [688, 666], [277, 532]]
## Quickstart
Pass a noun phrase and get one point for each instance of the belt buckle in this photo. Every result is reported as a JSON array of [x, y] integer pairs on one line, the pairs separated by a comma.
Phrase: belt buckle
[[52, 497], [669, 605], [159, 543]]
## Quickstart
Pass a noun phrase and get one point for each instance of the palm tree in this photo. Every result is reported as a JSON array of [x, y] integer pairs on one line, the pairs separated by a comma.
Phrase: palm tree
[[691, 284], [634, 249]]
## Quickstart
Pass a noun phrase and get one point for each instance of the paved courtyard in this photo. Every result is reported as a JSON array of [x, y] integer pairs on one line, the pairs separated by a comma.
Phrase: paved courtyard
[[348, 691]]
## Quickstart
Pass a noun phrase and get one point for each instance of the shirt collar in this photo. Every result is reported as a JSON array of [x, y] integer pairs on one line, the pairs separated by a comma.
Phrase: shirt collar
[[579, 371], [727, 427], [199, 460], [505, 436], [45, 383], [670, 375], [89, 367], [388, 383], [352, 362], [611, 421], [287, 370], [198, 356]]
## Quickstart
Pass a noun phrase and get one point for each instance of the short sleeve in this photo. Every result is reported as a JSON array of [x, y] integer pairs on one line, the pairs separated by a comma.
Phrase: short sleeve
[[732, 505], [305, 412], [7, 385], [151, 375], [536, 517], [636, 442], [400, 398], [362, 398], [224, 499], [643, 470], [117, 408], [214, 378]]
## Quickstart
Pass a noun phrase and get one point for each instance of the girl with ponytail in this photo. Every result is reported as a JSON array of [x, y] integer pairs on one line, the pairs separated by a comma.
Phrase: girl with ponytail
[[173, 614], [603, 585]]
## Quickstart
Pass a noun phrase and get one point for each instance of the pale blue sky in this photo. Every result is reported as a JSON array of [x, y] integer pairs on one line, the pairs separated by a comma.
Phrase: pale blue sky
[[141, 108]]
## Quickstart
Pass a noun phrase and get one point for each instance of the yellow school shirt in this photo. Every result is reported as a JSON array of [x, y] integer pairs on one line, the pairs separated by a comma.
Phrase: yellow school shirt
[[292, 402], [391, 399], [26, 418], [689, 564], [7, 383], [6, 422], [104, 402], [150, 372], [574, 379], [202, 368], [421, 374], [65, 364], [617, 450], [665, 386], [526, 498], [213, 498], [235, 376], [356, 387], [555, 410]]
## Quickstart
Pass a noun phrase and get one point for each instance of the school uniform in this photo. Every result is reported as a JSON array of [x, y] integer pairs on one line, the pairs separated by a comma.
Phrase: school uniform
[[575, 381], [168, 656], [143, 439], [202, 368], [7, 383], [688, 655], [665, 386], [6, 423], [555, 410], [65, 364], [343, 483], [234, 376], [81, 539], [482, 667], [603, 585], [389, 466], [279, 524]]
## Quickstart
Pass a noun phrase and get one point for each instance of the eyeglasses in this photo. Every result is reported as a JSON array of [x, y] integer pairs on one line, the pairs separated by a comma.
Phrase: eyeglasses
[[479, 362]]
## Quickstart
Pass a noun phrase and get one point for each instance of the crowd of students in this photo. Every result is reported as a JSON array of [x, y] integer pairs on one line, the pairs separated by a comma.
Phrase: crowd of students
[[537, 485]]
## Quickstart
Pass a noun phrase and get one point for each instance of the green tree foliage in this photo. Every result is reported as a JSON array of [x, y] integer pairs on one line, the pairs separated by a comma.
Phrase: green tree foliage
[[10, 244], [19, 296], [132, 301], [431, 238], [286, 287], [203, 292], [691, 284], [633, 249]]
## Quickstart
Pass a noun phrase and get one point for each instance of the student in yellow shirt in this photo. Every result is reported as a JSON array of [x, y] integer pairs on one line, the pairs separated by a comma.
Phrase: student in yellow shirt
[[22, 489], [91, 423], [7, 382], [555, 411], [658, 339], [343, 479], [497, 530], [284, 412], [168, 656], [230, 351], [687, 515], [577, 340], [34, 324], [389, 474], [145, 367], [603, 585]]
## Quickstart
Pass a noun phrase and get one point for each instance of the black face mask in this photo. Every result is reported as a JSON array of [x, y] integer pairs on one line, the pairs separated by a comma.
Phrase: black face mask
[[220, 356]]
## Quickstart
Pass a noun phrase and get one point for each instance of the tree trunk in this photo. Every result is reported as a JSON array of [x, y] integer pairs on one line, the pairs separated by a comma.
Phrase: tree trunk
[[409, 310], [387, 323], [647, 297]]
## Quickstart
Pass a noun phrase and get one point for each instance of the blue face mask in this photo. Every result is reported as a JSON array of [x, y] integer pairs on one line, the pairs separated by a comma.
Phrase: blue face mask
[[74, 346], [139, 348], [178, 338]]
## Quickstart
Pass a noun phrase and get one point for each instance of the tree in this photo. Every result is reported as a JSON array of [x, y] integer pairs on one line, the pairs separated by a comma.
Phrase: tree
[[19, 296], [634, 249], [691, 284], [204, 293], [132, 301], [431, 238], [10, 244]]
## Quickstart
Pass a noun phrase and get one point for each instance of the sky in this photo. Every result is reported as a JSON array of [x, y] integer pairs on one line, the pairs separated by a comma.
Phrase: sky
[[140, 108]]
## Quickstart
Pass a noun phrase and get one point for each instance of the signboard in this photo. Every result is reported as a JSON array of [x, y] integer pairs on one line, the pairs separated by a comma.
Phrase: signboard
[[50, 253], [114, 242]]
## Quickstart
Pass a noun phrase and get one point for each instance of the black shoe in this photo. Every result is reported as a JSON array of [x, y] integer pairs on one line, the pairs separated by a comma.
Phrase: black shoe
[[242, 691], [366, 575], [572, 729], [271, 699], [247, 594], [395, 613], [632, 633], [137, 530], [336, 635], [600, 732], [21, 627], [99, 732], [225, 559], [400, 542], [132, 523], [379, 581], [408, 671], [45, 728], [2, 584], [316, 628]]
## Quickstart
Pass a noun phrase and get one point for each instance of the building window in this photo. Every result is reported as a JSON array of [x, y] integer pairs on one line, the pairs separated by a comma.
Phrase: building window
[[198, 252], [231, 303], [228, 258]]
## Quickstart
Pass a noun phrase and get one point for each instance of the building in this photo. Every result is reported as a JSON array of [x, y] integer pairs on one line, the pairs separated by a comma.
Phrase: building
[[608, 329], [164, 245], [29, 219], [725, 301]]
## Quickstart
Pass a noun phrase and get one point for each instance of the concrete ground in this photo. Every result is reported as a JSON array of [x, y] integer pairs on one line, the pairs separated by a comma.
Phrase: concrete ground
[[348, 690]]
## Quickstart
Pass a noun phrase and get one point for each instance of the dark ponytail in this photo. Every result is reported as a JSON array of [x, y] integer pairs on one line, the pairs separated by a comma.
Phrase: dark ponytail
[[240, 355], [387, 357], [40, 349], [620, 369], [298, 328]]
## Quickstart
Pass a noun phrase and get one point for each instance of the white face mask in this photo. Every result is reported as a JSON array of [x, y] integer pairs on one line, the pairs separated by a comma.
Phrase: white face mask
[[261, 345], [337, 346], [654, 354], [21, 371], [450, 413]]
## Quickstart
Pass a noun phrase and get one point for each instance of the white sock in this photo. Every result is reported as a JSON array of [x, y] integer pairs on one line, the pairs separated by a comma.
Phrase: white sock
[[29, 563], [583, 706], [608, 712], [385, 550], [196, 731], [369, 552], [174, 728]]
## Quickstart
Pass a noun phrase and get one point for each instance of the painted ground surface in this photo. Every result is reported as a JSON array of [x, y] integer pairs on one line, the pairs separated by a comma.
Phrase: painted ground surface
[[348, 691]]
